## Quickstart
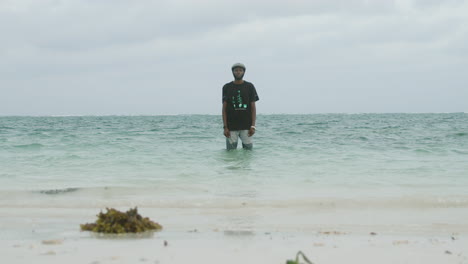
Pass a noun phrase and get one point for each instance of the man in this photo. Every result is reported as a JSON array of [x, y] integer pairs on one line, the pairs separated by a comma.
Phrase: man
[[239, 111]]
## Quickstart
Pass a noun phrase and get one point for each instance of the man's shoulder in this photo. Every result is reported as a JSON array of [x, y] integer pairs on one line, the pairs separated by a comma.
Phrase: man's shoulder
[[249, 84], [228, 84], [232, 84]]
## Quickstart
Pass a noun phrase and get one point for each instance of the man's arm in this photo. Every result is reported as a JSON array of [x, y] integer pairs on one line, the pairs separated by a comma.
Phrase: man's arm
[[254, 118], [226, 129]]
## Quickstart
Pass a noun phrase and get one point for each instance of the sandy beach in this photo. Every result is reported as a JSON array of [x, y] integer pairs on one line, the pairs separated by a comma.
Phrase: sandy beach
[[214, 235]]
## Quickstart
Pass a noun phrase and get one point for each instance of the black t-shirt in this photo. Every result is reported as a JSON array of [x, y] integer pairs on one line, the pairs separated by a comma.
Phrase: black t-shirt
[[238, 98]]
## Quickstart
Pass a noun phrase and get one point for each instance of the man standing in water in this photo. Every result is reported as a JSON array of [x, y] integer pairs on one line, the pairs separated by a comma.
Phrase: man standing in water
[[239, 111]]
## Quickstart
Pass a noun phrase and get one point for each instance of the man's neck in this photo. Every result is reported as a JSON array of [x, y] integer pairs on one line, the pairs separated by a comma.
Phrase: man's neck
[[238, 81]]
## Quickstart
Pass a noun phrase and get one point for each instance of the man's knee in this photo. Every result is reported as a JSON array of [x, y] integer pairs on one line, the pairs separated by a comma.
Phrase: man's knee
[[247, 146], [231, 145]]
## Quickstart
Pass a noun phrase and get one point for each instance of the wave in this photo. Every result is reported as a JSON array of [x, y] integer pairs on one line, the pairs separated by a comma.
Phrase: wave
[[313, 124], [422, 151], [6, 175], [30, 146]]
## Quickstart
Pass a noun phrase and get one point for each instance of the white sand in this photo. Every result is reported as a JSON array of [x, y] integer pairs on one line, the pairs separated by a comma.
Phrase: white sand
[[201, 235], [206, 248]]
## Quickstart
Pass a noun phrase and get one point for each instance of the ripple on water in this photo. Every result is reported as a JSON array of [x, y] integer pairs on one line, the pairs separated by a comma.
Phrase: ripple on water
[[32, 146]]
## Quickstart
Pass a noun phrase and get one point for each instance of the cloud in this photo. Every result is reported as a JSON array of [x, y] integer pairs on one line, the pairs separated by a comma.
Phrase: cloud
[[146, 45]]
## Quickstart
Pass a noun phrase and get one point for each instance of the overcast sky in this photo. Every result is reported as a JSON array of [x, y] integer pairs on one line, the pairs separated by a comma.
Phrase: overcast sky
[[116, 57]]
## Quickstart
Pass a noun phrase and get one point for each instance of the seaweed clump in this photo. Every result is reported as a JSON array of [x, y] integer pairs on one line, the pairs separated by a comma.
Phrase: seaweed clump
[[117, 222], [59, 191]]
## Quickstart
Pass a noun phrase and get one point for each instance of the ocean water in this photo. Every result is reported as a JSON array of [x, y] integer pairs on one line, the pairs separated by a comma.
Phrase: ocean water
[[319, 160]]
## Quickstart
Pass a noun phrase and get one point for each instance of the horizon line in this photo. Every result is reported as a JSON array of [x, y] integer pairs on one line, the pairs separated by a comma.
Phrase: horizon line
[[323, 113]]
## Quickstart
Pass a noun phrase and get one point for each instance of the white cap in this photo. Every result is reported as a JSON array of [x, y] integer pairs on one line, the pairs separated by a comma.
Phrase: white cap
[[238, 65]]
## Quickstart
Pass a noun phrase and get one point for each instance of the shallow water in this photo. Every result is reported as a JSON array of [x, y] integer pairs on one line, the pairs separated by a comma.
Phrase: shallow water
[[180, 161]]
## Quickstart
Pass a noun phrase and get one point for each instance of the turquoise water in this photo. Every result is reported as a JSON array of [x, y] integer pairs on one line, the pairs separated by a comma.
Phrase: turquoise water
[[165, 161]]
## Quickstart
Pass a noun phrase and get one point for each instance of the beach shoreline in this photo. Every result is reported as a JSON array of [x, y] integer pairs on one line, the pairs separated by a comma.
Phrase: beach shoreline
[[51, 235]]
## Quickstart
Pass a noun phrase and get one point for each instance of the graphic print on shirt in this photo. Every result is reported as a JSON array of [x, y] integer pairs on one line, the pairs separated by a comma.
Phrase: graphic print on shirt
[[237, 102]]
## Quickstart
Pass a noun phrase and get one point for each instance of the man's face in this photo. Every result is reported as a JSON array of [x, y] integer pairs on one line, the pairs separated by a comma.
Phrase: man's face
[[238, 73]]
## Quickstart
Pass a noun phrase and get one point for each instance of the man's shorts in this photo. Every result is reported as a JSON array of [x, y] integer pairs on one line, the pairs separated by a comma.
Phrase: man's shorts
[[231, 143]]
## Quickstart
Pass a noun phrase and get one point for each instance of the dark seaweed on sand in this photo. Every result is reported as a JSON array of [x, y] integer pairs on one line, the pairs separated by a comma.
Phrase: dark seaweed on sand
[[117, 222], [296, 261], [59, 191]]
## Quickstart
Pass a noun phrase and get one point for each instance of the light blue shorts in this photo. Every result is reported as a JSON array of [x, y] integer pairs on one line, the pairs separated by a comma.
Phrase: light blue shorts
[[231, 143]]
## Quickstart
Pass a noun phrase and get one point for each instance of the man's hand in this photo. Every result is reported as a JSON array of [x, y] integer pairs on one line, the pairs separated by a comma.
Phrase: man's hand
[[227, 133], [251, 131]]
